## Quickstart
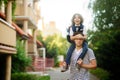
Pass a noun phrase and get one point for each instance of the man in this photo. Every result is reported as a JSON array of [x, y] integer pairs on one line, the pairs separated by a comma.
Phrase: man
[[78, 68]]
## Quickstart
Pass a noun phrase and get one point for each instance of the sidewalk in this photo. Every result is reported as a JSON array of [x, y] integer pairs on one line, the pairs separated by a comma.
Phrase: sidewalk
[[55, 74]]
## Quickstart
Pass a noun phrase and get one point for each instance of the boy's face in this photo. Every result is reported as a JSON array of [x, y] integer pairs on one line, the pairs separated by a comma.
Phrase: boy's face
[[77, 20]]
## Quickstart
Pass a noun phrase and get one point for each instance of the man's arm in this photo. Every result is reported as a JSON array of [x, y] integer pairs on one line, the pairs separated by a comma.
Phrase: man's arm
[[91, 65]]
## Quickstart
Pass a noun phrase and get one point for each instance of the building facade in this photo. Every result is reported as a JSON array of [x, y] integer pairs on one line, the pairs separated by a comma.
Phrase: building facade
[[26, 16]]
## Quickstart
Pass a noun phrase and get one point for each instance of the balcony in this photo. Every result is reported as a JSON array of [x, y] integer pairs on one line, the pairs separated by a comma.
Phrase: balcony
[[7, 38], [31, 16]]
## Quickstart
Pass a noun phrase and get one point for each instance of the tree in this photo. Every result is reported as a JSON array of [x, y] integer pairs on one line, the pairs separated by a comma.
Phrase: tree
[[40, 37], [55, 45], [106, 36]]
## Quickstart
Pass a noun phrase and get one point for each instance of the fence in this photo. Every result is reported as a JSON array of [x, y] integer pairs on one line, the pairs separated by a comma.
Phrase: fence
[[39, 64]]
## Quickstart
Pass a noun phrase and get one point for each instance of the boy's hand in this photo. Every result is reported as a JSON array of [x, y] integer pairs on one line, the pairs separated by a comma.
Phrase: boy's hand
[[79, 36], [64, 63]]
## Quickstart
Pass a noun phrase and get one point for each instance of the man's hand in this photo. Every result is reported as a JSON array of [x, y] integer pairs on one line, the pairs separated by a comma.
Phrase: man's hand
[[79, 61]]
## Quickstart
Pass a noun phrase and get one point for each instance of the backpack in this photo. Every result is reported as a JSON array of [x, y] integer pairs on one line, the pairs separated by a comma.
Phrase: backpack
[[80, 29]]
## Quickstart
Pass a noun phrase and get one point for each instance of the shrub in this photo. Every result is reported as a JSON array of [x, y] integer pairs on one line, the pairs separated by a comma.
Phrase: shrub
[[19, 60], [25, 76], [100, 73]]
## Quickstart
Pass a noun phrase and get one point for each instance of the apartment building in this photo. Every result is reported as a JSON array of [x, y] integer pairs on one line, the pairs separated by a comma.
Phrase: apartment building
[[27, 14], [7, 42], [25, 18]]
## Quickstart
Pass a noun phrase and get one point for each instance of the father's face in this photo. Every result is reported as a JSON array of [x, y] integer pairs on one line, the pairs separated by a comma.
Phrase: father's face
[[79, 41]]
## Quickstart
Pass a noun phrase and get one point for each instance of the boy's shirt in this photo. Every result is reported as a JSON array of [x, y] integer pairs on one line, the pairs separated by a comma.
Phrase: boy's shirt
[[71, 31]]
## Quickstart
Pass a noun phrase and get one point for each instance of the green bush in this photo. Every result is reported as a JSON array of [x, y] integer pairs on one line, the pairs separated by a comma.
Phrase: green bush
[[25, 76], [100, 73], [44, 78], [19, 60]]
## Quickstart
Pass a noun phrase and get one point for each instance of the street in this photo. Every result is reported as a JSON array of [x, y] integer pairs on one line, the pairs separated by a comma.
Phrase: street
[[55, 74]]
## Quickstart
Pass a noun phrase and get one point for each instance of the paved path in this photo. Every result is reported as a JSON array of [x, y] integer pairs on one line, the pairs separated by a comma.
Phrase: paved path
[[55, 74]]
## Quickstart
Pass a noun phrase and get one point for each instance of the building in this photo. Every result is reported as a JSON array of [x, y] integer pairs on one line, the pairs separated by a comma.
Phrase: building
[[27, 14], [25, 18], [7, 42], [49, 29]]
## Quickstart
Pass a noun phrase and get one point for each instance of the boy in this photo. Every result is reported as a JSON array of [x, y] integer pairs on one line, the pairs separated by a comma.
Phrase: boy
[[76, 26]]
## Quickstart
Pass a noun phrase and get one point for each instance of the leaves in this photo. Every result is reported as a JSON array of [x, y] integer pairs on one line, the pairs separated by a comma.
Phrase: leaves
[[19, 60], [105, 39]]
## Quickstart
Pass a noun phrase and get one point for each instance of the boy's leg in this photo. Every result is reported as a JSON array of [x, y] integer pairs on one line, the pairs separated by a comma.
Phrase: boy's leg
[[68, 57], [69, 53]]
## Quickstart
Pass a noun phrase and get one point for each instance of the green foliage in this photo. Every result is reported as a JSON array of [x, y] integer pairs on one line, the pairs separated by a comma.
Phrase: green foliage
[[55, 45], [19, 60], [106, 36], [4, 1], [51, 48], [13, 5], [25, 76], [44, 78], [110, 57], [39, 36], [106, 13], [100, 73], [57, 64], [13, 8]]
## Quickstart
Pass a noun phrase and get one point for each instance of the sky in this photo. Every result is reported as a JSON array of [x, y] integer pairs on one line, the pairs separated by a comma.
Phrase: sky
[[61, 11]]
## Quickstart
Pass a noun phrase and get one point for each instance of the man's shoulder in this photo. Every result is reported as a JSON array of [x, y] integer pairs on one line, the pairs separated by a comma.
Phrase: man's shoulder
[[90, 50]]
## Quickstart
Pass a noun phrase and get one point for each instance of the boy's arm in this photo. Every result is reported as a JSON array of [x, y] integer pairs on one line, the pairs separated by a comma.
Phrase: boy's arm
[[84, 37], [78, 36], [73, 37]]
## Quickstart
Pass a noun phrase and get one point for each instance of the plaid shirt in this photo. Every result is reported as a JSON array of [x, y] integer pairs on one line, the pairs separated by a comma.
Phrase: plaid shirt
[[82, 73]]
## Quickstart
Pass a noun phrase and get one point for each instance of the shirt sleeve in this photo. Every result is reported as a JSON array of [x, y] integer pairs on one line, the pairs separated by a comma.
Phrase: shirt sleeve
[[71, 32], [91, 54], [84, 31]]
